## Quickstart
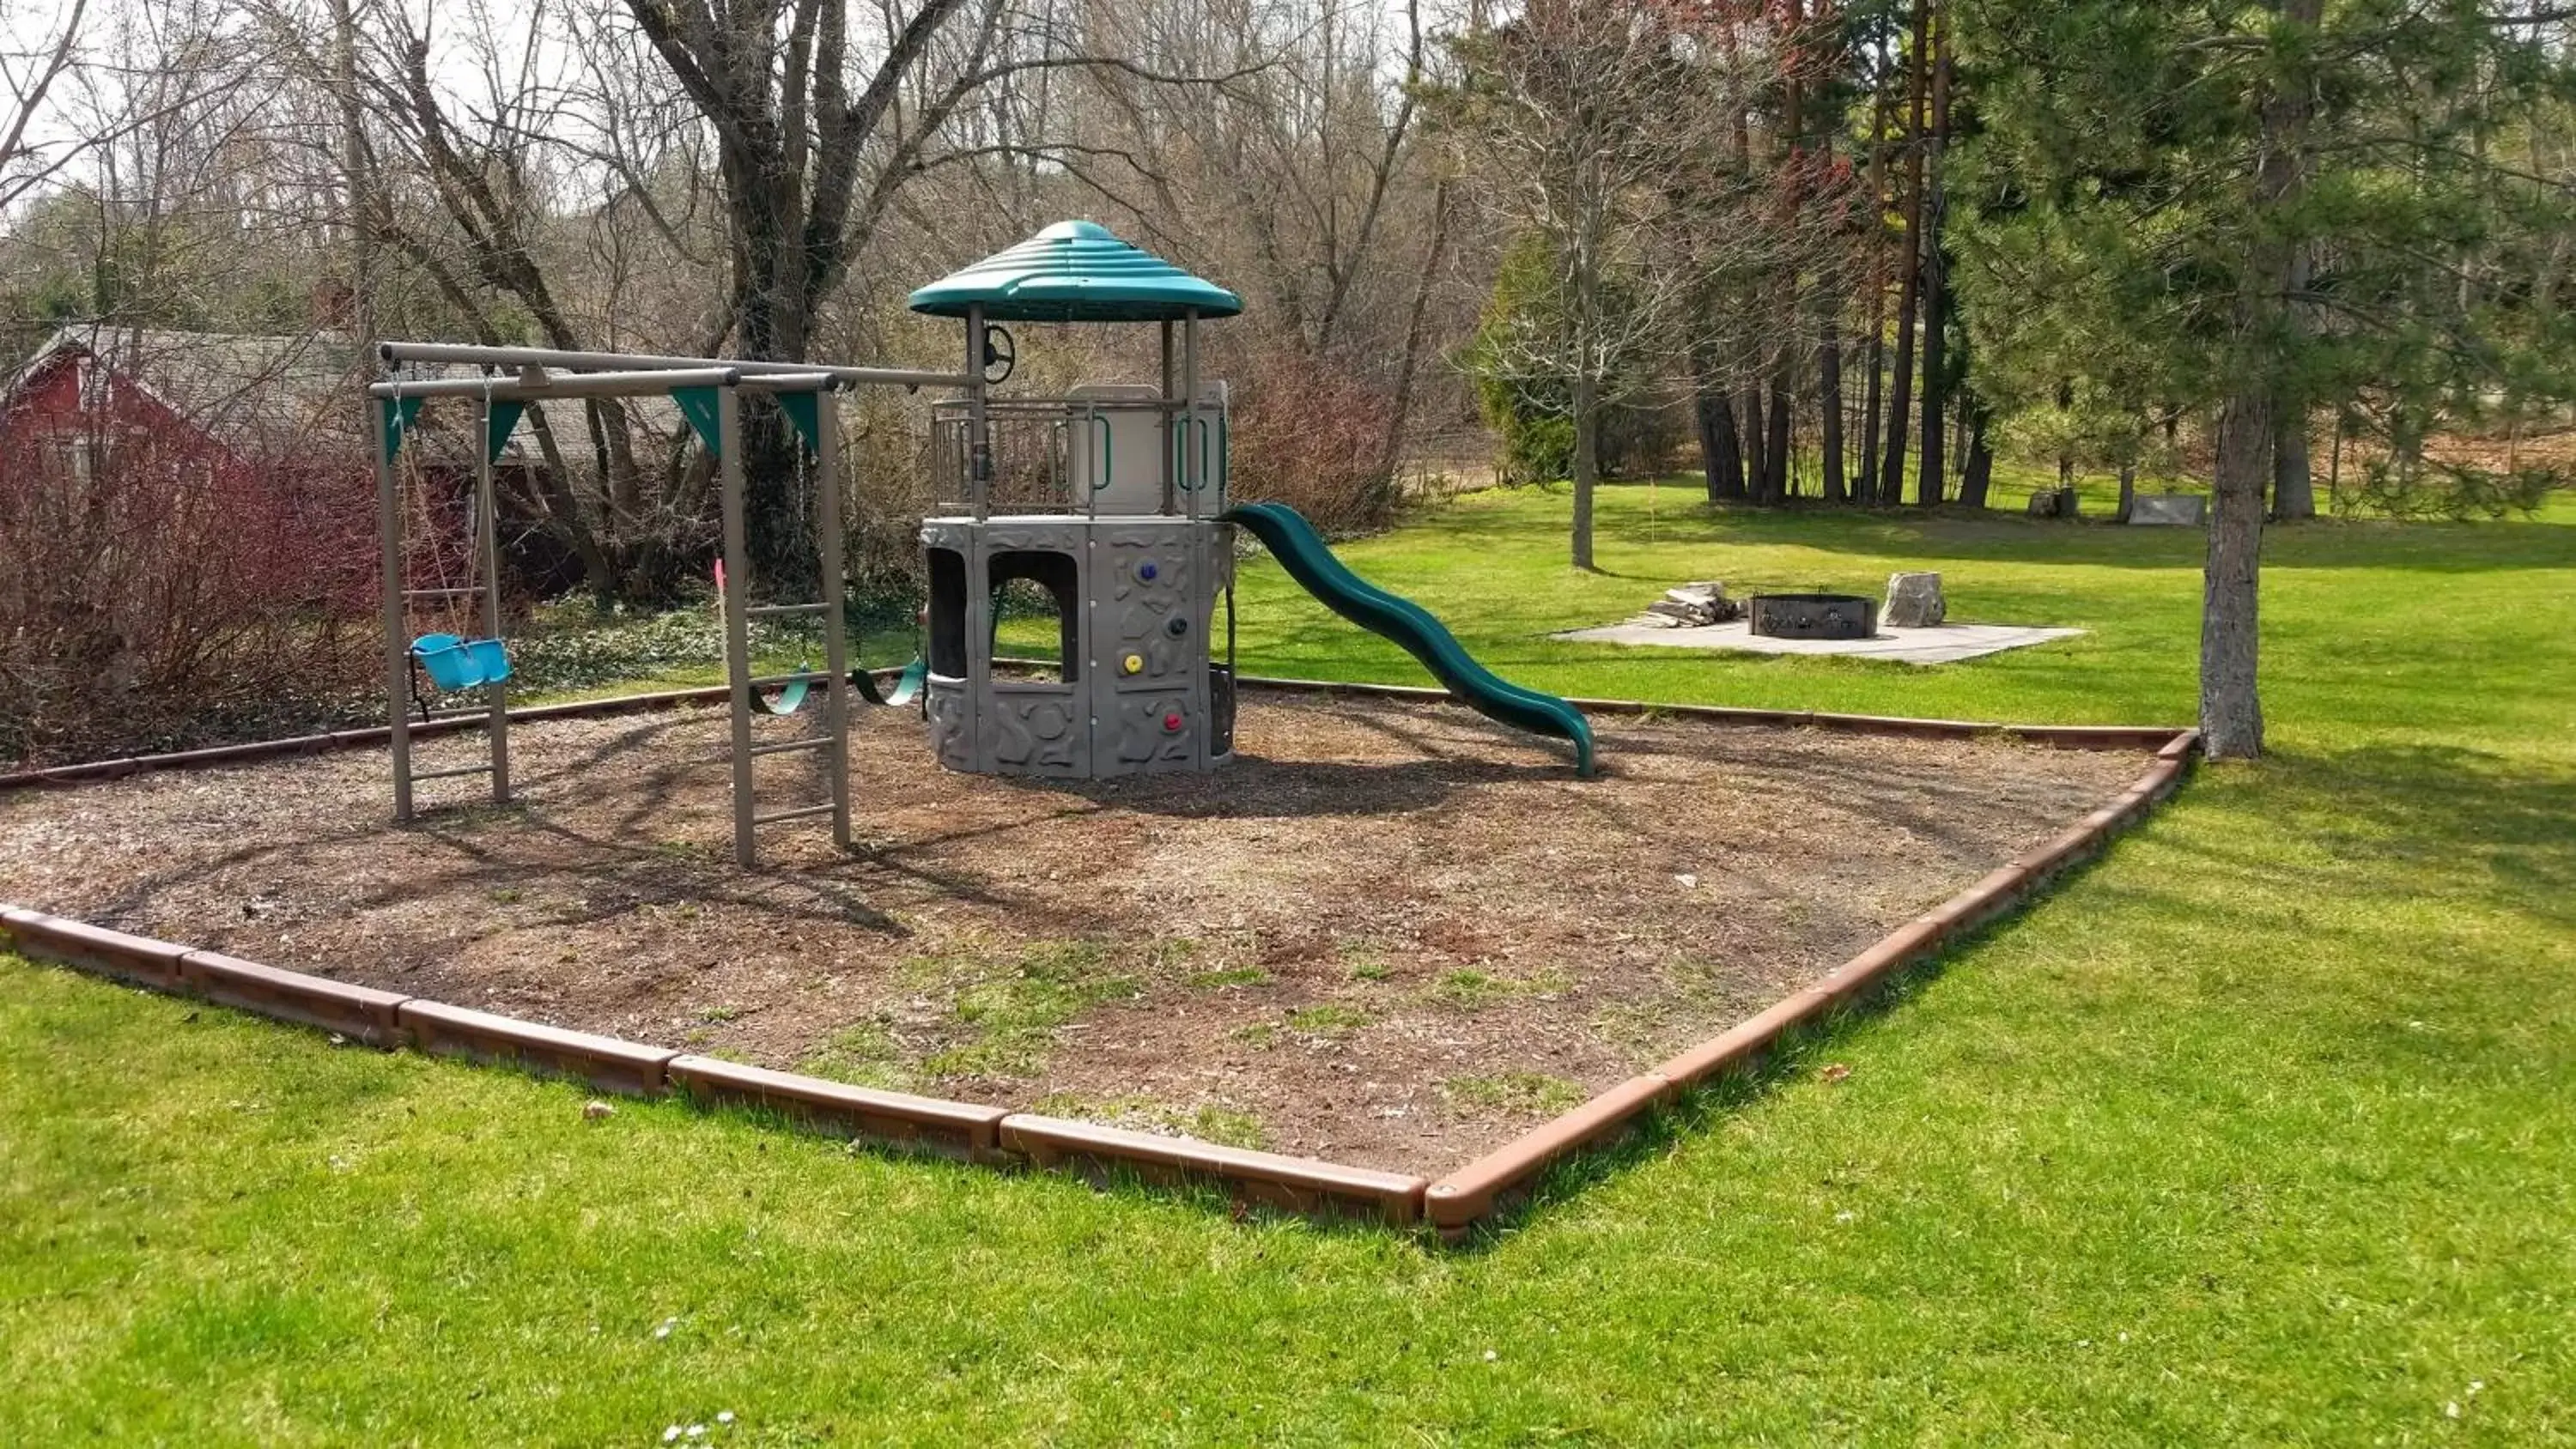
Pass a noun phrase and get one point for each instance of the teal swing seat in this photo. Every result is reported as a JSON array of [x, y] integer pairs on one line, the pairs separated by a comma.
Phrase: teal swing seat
[[791, 698], [907, 685], [792, 695], [454, 664]]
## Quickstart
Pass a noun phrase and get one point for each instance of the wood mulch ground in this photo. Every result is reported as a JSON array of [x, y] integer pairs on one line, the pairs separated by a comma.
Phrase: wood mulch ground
[[1390, 934]]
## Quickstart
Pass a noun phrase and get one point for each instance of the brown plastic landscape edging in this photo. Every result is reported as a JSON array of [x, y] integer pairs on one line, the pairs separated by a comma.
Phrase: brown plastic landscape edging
[[1457, 1202], [1474, 1191], [603, 1061], [1294, 1184], [965, 1130], [137, 959], [1452, 1205], [361, 1013]]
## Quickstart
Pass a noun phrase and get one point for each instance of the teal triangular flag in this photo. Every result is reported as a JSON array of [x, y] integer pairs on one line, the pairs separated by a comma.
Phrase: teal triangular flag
[[398, 416], [698, 405], [505, 421], [806, 413]]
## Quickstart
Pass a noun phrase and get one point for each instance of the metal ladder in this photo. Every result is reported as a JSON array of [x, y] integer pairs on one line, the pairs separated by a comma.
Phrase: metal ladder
[[739, 611]]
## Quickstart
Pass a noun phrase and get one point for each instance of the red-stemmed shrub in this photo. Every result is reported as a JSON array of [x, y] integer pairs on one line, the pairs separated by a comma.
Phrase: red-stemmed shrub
[[158, 592], [1314, 439]]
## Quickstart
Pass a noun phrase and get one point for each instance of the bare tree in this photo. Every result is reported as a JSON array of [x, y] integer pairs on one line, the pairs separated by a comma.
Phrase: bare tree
[[1909, 278], [1584, 115], [36, 57]]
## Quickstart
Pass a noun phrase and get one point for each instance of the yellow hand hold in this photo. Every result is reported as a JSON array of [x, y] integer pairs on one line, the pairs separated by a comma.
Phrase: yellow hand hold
[[1133, 664]]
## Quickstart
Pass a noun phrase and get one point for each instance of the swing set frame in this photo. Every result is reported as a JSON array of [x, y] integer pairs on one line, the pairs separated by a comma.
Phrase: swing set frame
[[709, 394]]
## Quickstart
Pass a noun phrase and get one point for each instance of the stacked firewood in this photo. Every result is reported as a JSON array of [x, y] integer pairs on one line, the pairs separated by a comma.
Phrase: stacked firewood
[[1693, 606]]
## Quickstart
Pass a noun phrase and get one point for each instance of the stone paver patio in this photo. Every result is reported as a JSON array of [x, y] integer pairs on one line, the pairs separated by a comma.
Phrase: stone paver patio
[[1939, 644]]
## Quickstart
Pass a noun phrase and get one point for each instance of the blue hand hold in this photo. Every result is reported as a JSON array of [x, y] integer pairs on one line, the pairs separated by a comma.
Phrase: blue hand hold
[[1146, 571]]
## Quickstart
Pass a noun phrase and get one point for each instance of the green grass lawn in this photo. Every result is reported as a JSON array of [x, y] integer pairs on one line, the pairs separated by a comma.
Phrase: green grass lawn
[[2262, 1128]]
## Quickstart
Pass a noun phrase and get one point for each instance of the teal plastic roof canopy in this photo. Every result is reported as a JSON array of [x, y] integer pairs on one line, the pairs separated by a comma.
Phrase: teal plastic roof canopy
[[1075, 271]]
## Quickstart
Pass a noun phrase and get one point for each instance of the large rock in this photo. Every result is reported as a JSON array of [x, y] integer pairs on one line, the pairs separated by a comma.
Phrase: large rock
[[2054, 503], [1913, 601], [2172, 510]]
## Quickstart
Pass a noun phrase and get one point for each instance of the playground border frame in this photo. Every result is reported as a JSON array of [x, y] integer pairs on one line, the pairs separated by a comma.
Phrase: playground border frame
[[1453, 1205]]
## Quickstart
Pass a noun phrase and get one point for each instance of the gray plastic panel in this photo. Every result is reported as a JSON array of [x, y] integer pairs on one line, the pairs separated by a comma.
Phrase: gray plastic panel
[[1147, 589], [1137, 737], [1004, 535], [1038, 729], [952, 721]]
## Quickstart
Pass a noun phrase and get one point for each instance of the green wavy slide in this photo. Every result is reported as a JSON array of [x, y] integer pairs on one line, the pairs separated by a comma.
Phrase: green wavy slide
[[1303, 553]]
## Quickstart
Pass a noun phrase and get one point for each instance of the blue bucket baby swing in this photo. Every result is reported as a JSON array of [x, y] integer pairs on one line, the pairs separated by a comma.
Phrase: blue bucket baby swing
[[452, 663]]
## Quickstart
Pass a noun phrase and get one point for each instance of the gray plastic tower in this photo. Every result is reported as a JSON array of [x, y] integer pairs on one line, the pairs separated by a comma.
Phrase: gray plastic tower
[[1103, 501]]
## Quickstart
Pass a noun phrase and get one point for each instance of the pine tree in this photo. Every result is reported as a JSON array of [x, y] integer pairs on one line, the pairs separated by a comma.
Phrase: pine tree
[[2272, 208]]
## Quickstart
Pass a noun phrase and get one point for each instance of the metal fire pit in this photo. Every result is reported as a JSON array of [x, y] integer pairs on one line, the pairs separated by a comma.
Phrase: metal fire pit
[[1815, 616]]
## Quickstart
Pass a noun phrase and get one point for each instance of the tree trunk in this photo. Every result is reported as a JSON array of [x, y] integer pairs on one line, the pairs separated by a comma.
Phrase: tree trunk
[[1829, 368], [2231, 706], [2065, 459], [1932, 469], [1979, 476], [1865, 492], [1721, 456], [1757, 465], [1931, 466], [1401, 414], [1775, 449], [778, 516], [1793, 302], [1873, 401], [1587, 462], [2294, 494], [2128, 491], [353, 162], [1891, 470], [2231, 710], [2294, 490], [2334, 465]]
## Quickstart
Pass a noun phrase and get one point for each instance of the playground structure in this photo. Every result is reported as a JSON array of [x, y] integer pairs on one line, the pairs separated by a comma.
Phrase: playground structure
[[1111, 509], [1110, 500], [708, 393]]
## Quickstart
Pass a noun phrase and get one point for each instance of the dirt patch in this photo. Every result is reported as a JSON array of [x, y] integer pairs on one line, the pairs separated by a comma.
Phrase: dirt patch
[[1390, 934]]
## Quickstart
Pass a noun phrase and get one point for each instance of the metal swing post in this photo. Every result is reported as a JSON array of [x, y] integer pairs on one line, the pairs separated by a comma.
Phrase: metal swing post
[[487, 545], [836, 640], [739, 612], [389, 534], [737, 620]]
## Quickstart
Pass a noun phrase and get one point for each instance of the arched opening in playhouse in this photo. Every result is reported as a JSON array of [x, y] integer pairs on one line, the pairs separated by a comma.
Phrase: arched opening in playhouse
[[945, 614], [1035, 590]]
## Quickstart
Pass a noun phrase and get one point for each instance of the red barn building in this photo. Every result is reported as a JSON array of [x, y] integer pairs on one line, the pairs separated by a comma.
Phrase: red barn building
[[252, 449]]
